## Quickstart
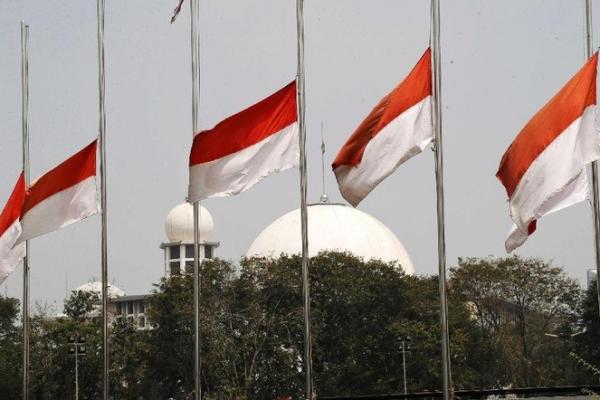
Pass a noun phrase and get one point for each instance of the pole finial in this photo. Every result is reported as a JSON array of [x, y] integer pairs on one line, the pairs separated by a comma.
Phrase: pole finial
[[324, 197]]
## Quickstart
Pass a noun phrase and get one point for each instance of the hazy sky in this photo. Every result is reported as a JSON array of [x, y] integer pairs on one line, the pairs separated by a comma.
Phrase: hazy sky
[[501, 61]]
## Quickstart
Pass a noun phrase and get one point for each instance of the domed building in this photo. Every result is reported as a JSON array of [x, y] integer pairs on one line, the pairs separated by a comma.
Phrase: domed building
[[96, 288], [332, 227], [179, 227]]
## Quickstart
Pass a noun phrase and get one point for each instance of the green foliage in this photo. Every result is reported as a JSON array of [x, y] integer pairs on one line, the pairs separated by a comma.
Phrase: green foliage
[[252, 332], [10, 349], [81, 304], [587, 350], [516, 302], [53, 368]]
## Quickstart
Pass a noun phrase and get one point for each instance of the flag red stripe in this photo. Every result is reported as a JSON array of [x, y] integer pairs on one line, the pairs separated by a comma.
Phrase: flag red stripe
[[413, 89], [246, 128], [75, 169], [556, 116], [12, 209]]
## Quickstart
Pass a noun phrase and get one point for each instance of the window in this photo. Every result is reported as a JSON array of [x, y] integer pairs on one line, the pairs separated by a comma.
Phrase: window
[[189, 251], [141, 307], [118, 308], [130, 307], [174, 251], [189, 267], [208, 252], [174, 265]]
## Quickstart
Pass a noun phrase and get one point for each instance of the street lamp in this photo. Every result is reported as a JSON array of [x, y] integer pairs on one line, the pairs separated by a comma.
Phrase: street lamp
[[77, 348], [404, 346]]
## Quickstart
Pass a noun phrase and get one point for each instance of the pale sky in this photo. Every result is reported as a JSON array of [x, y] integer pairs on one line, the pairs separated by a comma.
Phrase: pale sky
[[501, 61]]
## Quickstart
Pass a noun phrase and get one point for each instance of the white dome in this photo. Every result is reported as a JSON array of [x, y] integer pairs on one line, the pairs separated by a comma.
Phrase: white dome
[[179, 224], [332, 227], [96, 287]]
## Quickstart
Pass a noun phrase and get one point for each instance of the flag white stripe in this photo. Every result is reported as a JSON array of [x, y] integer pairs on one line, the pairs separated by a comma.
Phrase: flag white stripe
[[575, 192], [61, 209], [544, 188], [237, 172], [403, 138], [10, 257]]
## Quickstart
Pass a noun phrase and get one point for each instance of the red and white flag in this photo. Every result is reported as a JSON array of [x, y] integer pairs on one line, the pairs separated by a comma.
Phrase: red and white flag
[[10, 230], [246, 147], [543, 170], [398, 128], [62, 196]]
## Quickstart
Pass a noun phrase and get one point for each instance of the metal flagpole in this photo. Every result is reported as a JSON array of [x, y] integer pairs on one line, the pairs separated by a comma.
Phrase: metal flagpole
[[103, 203], [594, 167], [195, 42], [303, 209], [439, 178], [25, 129]]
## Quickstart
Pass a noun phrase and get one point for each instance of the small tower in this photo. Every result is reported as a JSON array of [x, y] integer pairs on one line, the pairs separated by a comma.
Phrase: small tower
[[179, 250]]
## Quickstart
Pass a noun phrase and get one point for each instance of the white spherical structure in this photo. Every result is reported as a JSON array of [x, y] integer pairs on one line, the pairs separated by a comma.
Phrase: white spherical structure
[[96, 287], [332, 227], [179, 224]]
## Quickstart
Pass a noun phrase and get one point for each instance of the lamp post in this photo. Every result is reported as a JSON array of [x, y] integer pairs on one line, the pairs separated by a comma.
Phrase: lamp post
[[77, 348], [404, 343]]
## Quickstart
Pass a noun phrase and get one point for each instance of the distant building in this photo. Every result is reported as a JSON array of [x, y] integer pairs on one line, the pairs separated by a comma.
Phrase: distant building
[[179, 250], [178, 259], [591, 276], [131, 308], [332, 227]]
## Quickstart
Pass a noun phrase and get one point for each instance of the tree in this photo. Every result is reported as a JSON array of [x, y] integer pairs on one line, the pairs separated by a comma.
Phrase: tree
[[252, 332], [129, 350], [10, 349], [81, 304], [516, 302], [52, 373], [586, 342]]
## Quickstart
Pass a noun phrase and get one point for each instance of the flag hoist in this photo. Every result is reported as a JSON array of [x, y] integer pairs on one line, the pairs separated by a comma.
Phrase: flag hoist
[[11, 252], [400, 126]]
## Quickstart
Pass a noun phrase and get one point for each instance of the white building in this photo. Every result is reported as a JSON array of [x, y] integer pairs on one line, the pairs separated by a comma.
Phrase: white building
[[178, 259], [332, 227], [179, 250]]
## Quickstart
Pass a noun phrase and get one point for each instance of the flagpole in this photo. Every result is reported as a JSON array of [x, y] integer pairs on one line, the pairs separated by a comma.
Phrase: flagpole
[[25, 130], [594, 166], [195, 43], [309, 395], [103, 202], [439, 178], [323, 194]]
